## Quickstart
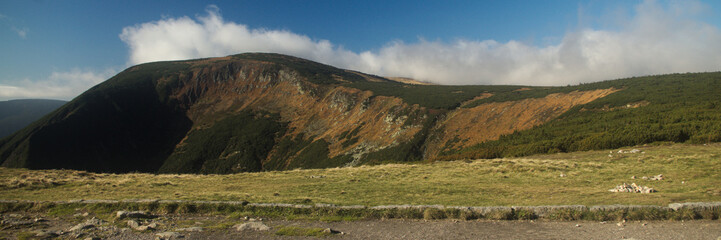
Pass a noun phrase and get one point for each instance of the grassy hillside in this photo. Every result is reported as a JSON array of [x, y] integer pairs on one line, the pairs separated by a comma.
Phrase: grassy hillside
[[690, 174], [237, 143], [261, 112], [675, 108], [430, 96], [121, 125]]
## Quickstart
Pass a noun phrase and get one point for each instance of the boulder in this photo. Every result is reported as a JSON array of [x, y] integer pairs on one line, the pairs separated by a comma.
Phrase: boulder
[[253, 226], [133, 214], [332, 231], [133, 224]]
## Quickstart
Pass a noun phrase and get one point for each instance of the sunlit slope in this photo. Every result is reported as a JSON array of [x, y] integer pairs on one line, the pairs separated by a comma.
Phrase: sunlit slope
[[684, 108]]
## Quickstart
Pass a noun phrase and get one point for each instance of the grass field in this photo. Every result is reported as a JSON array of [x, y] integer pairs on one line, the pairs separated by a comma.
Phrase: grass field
[[692, 173]]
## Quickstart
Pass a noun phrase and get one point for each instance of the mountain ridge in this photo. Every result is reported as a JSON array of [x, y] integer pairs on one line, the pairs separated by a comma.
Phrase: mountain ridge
[[257, 112]]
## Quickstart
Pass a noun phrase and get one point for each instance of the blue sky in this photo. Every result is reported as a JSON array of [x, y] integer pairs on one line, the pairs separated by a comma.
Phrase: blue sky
[[57, 49]]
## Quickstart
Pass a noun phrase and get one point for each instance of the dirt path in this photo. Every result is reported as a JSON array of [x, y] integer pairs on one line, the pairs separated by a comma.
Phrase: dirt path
[[446, 229], [19, 225]]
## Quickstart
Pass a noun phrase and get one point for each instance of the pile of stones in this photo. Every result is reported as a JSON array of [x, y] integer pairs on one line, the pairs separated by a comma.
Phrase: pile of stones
[[632, 188]]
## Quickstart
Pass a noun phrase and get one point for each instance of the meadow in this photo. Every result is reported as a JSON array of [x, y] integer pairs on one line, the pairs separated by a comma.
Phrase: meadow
[[692, 173]]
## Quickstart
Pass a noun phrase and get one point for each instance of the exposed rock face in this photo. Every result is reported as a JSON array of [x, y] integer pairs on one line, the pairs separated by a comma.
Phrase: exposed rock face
[[165, 116], [348, 121]]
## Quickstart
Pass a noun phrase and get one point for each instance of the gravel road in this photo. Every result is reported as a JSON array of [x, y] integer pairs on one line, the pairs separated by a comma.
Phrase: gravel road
[[448, 229], [18, 225]]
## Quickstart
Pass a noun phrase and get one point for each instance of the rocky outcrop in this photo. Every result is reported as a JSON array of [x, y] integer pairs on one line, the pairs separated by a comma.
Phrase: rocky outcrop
[[350, 122]]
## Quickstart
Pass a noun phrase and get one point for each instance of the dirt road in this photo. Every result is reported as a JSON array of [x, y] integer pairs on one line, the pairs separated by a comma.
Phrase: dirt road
[[447, 229], [19, 225]]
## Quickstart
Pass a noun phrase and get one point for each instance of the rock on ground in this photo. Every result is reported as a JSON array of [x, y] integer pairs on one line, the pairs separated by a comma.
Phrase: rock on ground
[[332, 231], [254, 226], [133, 224], [168, 235], [632, 188], [190, 229], [45, 234], [90, 223], [133, 214]]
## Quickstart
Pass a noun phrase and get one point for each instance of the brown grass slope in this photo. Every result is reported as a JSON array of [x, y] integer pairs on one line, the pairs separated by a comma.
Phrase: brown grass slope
[[465, 127]]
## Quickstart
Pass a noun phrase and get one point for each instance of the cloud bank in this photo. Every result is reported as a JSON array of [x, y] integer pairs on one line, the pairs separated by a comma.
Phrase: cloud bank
[[656, 40], [59, 85]]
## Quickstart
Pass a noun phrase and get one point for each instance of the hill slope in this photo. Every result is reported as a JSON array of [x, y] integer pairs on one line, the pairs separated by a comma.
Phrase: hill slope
[[254, 112], [16, 114], [675, 108]]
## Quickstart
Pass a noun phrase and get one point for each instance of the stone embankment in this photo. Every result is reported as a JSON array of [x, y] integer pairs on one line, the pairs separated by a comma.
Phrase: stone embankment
[[536, 211]]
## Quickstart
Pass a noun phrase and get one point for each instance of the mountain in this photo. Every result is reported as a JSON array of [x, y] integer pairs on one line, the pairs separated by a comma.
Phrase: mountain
[[258, 112], [16, 114]]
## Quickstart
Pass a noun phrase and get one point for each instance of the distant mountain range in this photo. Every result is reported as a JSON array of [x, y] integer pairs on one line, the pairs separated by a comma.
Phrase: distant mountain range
[[258, 112], [16, 114]]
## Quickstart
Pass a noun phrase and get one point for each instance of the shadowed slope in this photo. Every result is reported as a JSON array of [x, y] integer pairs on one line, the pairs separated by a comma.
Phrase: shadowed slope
[[16, 114]]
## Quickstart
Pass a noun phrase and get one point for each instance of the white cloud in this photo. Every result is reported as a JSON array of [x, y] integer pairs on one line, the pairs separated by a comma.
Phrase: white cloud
[[59, 85], [657, 39], [22, 33], [209, 36]]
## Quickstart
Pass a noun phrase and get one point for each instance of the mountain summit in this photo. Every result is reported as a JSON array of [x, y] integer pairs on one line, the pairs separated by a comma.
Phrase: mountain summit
[[255, 112]]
